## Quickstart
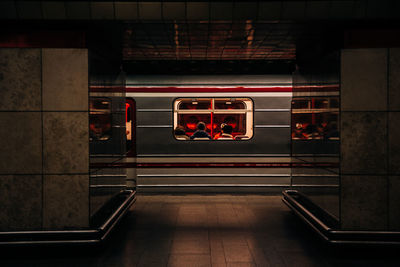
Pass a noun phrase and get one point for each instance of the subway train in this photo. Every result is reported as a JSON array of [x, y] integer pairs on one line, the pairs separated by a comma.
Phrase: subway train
[[246, 138]]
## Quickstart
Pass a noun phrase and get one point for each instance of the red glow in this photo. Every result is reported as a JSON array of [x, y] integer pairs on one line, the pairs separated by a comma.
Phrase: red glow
[[127, 106], [191, 126]]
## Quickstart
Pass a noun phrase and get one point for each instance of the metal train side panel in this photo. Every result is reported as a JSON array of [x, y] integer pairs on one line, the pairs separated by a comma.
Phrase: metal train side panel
[[157, 147]]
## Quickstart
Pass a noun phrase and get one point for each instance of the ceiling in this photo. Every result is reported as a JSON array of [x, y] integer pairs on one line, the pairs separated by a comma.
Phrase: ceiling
[[209, 41], [216, 40]]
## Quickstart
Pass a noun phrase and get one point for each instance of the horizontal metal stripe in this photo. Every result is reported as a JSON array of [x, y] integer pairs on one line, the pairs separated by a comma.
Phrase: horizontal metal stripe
[[169, 165], [316, 93], [215, 185], [108, 175], [108, 186], [185, 80], [154, 126], [212, 155], [107, 94], [315, 185], [202, 87], [215, 111], [314, 175], [272, 110], [154, 110], [203, 84], [229, 94], [214, 175], [272, 126]]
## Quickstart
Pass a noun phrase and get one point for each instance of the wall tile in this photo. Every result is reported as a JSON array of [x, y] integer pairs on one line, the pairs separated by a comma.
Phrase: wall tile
[[66, 146], [341, 9], [318, 10], [363, 142], [245, 10], [269, 10], [20, 142], [221, 10], [394, 203], [21, 202], [65, 201], [8, 10], [102, 10], [197, 11], [124, 10], [394, 142], [65, 79], [150, 10], [78, 10], [29, 9], [364, 202], [53, 10], [16, 93], [173, 10], [293, 9], [364, 77], [394, 79]]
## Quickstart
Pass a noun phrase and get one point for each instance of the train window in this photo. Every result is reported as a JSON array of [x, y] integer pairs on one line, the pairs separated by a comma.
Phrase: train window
[[213, 118], [315, 118], [99, 119]]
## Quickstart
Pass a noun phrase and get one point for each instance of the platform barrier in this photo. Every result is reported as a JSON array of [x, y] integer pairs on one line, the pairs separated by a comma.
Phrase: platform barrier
[[327, 226], [101, 225]]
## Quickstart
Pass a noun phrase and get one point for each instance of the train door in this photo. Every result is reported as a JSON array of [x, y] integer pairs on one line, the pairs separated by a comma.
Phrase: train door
[[130, 120]]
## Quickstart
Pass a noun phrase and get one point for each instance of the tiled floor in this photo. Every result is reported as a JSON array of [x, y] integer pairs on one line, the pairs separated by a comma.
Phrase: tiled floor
[[206, 230]]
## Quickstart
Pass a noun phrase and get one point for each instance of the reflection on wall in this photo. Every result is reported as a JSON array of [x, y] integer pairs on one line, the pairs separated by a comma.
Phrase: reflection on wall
[[315, 133], [107, 139]]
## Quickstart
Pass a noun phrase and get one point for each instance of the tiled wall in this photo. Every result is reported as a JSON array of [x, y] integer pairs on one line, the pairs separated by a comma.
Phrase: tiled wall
[[44, 166], [370, 139]]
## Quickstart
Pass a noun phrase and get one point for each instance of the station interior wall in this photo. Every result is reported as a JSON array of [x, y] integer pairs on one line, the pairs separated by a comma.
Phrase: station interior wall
[[44, 167]]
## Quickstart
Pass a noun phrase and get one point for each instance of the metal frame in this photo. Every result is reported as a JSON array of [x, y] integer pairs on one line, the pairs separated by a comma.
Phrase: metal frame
[[70, 237], [295, 201]]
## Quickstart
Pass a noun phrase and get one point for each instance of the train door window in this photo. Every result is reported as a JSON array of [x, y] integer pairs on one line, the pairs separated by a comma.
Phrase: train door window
[[99, 119], [224, 118]]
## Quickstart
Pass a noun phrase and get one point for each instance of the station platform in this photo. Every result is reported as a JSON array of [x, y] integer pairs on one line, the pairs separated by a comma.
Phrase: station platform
[[206, 230]]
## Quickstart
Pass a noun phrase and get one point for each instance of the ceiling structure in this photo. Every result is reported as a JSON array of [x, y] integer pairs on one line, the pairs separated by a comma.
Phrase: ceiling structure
[[268, 32], [244, 40]]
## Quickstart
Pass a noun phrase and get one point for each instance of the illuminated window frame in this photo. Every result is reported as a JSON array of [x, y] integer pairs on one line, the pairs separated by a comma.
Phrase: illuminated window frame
[[248, 111]]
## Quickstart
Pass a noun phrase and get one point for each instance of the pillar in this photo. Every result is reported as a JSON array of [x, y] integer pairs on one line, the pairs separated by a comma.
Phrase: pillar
[[370, 139], [44, 156]]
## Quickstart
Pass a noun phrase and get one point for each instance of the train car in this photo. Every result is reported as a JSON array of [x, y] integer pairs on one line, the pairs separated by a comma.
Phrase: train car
[[248, 144], [254, 155]]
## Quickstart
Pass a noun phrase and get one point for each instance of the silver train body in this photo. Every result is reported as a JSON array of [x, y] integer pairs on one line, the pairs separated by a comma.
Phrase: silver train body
[[164, 163], [160, 162]]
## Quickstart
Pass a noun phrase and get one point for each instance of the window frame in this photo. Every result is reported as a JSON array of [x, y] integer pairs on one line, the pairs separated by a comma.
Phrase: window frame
[[248, 111]]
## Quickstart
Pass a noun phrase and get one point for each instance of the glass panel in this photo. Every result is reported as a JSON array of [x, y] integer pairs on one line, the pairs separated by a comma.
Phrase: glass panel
[[229, 104], [320, 121], [321, 103], [128, 120], [100, 119], [301, 125], [194, 104], [237, 123], [300, 104], [188, 122]]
